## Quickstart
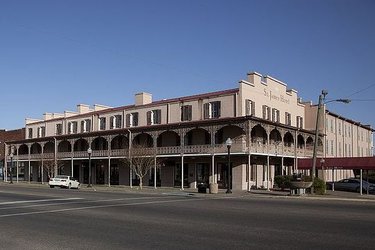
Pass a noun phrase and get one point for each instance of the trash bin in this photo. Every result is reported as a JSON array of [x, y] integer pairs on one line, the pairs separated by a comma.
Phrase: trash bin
[[202, 188]]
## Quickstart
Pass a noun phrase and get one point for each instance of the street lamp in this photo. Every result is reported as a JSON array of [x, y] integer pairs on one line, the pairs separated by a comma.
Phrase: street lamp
[[11, 167], [321, 102], [228, 142], [89, 151]]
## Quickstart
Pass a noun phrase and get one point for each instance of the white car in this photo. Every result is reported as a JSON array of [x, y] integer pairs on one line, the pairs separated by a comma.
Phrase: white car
[[65, 181]]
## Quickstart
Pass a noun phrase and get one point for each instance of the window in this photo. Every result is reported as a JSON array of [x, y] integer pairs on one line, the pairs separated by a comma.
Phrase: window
[[339, 128], [72, 127], [115, 122], [339, 149], [30, 133], [345, 150], [350, 128], [212, 110], [132, 119], [154, 117], [250, 107], [59, 129], [350, 150], [331, 126], [266, 112], [102, 123], [275, 115], [332, 147], [299, 122], [288, 119], [41, 132], [186, 113], [85, 126]]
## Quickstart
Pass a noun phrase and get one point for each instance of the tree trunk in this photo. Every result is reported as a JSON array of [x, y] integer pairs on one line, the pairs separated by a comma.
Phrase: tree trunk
[[140, 182]]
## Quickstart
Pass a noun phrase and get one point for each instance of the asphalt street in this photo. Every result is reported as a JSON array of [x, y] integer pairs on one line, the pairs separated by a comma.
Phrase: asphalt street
[[43, 218]]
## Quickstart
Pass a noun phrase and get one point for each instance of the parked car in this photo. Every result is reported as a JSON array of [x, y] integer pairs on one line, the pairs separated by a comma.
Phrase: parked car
[[63, 181], [353, 185]]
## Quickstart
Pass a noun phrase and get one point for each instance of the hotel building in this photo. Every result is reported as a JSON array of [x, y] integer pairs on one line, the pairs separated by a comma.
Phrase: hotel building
[[269, 125]]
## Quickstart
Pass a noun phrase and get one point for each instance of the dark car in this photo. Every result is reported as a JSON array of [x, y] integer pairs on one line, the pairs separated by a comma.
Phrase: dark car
[[352, 185]]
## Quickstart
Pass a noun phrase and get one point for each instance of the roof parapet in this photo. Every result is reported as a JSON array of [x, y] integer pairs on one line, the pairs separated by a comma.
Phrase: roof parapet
[[98, 107]]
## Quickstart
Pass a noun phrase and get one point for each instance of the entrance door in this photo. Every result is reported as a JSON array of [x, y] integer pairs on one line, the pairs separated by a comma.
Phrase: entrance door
[[158, 180], [100, 175], [222, 179], [203, 173], [177, 175], [114, 174]]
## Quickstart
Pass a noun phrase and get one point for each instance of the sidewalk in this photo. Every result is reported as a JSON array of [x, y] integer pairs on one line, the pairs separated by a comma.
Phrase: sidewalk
[[330, 195]]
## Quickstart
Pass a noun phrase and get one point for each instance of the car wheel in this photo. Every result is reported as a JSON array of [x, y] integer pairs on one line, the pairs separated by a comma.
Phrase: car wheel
[[78, 186], [51, 186]]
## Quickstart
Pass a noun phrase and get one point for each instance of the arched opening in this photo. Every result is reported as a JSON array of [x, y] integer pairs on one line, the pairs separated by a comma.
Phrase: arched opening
[[81, 145], [309, 143], [23, 149], [275, 137], [300, 142], [120, 142], [258, 135], [49, 147], [197, 136], [143, 139], [99, 143], [236, 133], [36, 148], [168, 139], [64, 146], [288, 139]]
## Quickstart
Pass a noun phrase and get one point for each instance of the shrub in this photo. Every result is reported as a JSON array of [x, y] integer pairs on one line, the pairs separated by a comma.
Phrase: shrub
[[319, 186], [283, 181]]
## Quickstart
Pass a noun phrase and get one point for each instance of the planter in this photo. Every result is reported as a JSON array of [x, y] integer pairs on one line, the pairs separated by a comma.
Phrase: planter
[[301, 184], [214, 188]]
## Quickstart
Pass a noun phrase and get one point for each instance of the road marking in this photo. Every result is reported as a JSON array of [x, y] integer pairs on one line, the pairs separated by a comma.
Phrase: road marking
[[77, 202], [32, 201], [105, 206]]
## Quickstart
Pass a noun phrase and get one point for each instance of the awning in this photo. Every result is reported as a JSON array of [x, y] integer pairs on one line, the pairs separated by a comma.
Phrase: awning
[[365, 163]]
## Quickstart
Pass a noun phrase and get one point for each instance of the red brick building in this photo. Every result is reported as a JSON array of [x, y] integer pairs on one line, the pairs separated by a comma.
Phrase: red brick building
[[5, 136]]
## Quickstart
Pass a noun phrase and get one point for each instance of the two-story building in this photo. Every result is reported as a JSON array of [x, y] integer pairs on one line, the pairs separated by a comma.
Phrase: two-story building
[[268, 123]]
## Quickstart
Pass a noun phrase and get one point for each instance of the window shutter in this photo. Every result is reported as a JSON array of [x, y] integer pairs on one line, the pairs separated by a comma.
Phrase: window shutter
[[148, 117], [128, 120], [112, 122], [158, 116], [218, 109], [189, 113], [88, 125], [206, 108], [264, 109], [268, 113], [135, 119], [252, 108]]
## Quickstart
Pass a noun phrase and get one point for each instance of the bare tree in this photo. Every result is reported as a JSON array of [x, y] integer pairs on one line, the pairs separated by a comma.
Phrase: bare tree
[[140, 160], [49, 167]]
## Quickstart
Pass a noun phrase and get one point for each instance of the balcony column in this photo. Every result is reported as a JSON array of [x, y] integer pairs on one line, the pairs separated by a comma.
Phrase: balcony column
[[5, 169], [71, 156], [295, 152], [55, 153], [29, 161], [109, 138], [155, 140], [182, 172], [42, 167], [213, 178], [17, 163]]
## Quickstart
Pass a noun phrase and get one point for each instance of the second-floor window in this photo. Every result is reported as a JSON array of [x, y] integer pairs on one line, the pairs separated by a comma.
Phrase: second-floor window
[[275, 115], [288, 119], [266, 112], [85, 126], [72, 127], [299, 122], [41, 132], [59, 129], [132, 119], [116, 121], [212, 110], [30, 133], [102, 123], [154, 117], [250, 107], [186, 113]]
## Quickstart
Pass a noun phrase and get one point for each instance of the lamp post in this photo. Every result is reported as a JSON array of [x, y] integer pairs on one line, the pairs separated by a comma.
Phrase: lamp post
[[11, 166], [321, 102], [229, 145], [89, 151]]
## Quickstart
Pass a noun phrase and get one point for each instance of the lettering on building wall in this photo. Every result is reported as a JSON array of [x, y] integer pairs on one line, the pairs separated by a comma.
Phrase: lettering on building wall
[[276, 97]]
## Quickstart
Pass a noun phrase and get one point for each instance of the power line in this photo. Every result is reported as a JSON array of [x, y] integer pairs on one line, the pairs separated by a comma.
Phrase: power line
[[359, 91]]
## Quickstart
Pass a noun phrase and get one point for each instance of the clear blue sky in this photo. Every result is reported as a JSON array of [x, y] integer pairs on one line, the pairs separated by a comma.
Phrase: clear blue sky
[[57, 54]]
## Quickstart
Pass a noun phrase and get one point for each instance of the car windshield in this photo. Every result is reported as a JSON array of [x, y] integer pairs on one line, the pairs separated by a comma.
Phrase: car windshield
[[61, 176]]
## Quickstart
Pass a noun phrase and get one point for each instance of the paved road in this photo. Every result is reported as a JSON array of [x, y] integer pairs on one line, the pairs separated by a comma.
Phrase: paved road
[[43, 218]]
